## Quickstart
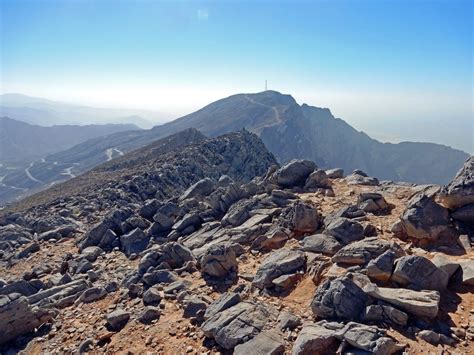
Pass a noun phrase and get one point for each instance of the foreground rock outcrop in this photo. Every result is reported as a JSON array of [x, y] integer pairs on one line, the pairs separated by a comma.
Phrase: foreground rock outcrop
[[18, 317], [213, 247]]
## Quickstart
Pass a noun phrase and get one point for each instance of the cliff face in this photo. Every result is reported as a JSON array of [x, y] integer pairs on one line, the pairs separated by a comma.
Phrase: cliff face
[[313, 133]]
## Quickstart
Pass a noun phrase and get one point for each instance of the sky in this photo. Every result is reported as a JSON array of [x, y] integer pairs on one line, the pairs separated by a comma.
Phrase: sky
[[399, 70]]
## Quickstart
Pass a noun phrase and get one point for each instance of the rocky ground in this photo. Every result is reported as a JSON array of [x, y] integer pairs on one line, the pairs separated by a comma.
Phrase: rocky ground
[[212, 248]]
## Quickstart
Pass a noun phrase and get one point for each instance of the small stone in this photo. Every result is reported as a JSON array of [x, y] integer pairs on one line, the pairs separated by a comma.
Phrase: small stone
[[459, 332], [117, 319]]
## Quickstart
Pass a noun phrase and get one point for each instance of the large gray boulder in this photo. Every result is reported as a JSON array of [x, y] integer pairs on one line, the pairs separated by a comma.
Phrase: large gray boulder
[[324, 337], [345, 230], [175, 254], [63, 231], [386, 315], [321, 243], [293, 173], [91, 253], [222, 198], [258, 217], [467, 267], [135, 241], [349, 211], [97, 235], [300, 218], [417, 272], [287, 320], [336, 173], [92, 294], [149, 208], [202, 188], [317, 179], [219, 263], [189, 220], [238, 212], [340, 298], [117, 319], [278, 263], [30, 249], [194, 307], [448, 265], [152, 297], [358, 177], [57, 293], [13, 235], [363, 251], [460, 191], [317, 339], [369, 338], [268, 342], [373, 202], [149, 314], [225, 301], [17, 317], [237, 324], [305, 218], [417, 303], [23, 287], [464, 214], [381, 267], [425, 219], [275, 238], [154, 277], [161, 224]]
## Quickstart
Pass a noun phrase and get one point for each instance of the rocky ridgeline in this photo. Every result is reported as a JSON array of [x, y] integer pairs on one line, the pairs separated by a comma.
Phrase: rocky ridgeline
[[172, 240]]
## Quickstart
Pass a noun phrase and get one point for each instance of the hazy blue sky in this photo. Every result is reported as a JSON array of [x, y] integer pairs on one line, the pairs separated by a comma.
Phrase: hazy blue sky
[[395, 69]]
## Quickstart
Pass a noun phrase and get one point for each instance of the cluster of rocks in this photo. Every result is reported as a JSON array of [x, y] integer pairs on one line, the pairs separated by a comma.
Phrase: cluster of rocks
[[358, 177], [441, 215], [201, 220], [458, 195]]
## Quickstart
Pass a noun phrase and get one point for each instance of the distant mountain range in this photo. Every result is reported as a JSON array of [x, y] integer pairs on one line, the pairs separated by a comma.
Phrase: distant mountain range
[[289, 131], [22, 146], [20, 141], [35, 110]]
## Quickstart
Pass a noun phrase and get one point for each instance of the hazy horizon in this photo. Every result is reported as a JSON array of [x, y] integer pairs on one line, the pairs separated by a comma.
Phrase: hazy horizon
[[402, 74], [385, 136]]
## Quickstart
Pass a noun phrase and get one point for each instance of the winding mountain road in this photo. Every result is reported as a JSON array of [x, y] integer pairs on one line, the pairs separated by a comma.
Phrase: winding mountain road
[[275, 110], [10, 186], [67, 172], [110, 152], [27, 172]]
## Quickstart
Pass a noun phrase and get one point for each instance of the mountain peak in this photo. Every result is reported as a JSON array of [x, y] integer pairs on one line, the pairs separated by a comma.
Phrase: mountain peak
[[272, 98]]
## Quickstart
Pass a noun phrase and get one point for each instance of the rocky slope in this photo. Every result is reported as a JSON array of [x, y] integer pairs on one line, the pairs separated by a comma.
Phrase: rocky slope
[[289, 131], [212, 248]]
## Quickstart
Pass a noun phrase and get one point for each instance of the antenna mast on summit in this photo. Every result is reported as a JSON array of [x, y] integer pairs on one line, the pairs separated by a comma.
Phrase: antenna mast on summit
[[265, 85]]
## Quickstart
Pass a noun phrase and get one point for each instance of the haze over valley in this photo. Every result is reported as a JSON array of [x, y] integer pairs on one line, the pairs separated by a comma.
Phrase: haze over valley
[[278, 119]]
